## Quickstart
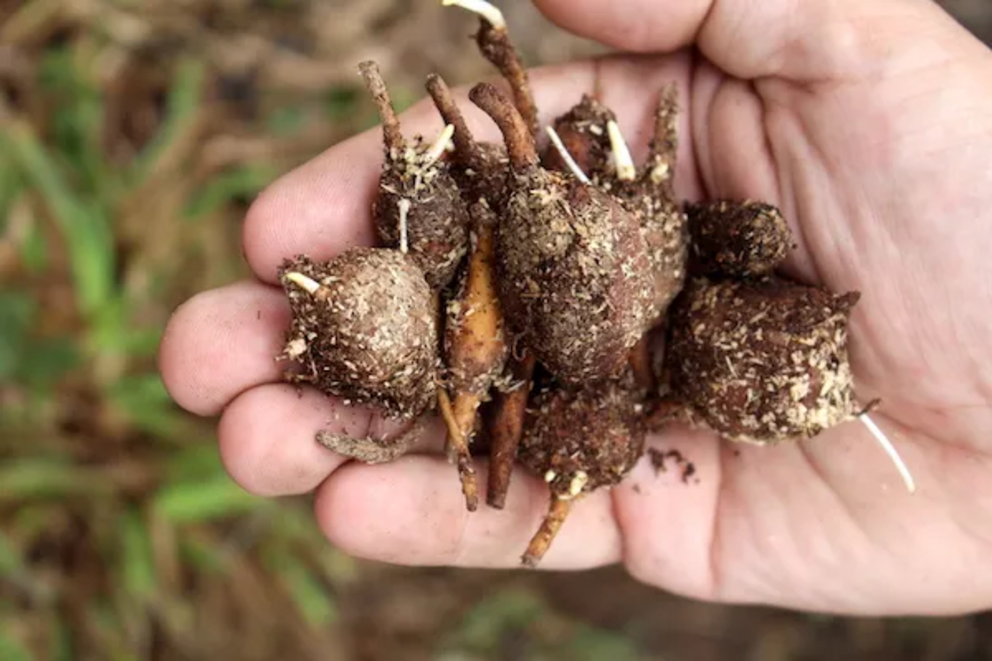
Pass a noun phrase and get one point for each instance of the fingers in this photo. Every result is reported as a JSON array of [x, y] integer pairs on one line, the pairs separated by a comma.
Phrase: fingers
[[222, 342], [267, 437], [412, 512], [324, 207], [804, 41], [669, 513]]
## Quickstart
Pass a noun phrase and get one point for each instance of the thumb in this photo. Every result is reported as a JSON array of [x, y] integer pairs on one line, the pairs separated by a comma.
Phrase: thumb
[[810, 40]]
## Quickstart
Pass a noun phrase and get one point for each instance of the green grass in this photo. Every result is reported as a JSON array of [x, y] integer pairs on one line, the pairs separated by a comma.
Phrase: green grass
[[98, 463]]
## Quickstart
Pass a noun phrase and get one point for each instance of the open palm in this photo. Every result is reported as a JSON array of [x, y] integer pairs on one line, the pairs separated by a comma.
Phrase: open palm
[[870, 125]]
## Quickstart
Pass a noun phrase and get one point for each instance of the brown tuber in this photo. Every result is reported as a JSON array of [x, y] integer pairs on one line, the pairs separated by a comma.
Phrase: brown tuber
[[572, 265], [363, 328], [579, 441], [763, 361], [737, 239], [590, 135], [418, 206], [582, 131]]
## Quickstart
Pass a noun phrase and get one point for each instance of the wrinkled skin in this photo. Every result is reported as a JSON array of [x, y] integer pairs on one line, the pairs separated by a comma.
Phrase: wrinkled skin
[[870, 125]]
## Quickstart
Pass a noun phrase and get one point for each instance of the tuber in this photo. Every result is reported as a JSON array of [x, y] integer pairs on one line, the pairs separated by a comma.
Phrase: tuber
[[418, 205], [572, 265]]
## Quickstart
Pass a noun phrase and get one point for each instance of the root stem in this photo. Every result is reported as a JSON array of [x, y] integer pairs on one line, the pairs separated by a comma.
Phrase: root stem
[[640, 364], [458, 451], [369, 450], [541, 542], [507, 430], [665, 142]]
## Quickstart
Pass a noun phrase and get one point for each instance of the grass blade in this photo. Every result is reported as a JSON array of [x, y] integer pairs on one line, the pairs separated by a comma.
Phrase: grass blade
[[184, 101], [145, 402], [313, 600], [17, 313], [87, 234], [10, 188], [242, 182], [11, 562], [137, 562], [77, 122], [12, 650], [44, 477], [205, 500]]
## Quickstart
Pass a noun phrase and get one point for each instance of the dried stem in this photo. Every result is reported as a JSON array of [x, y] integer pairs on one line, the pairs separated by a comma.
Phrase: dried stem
[[369, 450], [519, 141], [507, 430], [392, 136], [622, 159], [466, 148], [665, 142], [565, 156], [890, 450], [458, 450], [541, 542], [496, 46]]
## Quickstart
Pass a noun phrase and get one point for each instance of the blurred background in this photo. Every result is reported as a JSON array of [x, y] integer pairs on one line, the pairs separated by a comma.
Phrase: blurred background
[[133, 136]]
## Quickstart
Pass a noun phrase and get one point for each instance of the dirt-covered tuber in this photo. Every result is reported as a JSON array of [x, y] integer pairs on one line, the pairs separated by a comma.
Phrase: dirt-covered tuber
[[572, 265], [418, 206], [579, 441], [364, 329]]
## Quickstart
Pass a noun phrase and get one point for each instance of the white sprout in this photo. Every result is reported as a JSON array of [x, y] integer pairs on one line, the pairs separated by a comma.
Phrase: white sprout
[[577, 484], [484, 9], [569, 161], [303, 282], [621, 153], [440, 145], [404, 208], [889, 450]]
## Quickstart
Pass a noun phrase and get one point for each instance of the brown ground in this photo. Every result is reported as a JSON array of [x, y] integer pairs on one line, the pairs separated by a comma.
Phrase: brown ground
[[258, 585]]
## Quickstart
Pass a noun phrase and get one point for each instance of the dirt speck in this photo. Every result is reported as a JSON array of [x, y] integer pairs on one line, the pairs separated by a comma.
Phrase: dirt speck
[[660, 457]]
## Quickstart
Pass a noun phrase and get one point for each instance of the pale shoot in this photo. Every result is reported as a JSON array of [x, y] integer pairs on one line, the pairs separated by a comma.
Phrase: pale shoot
[[484, 9], [439, 146], [889, 450], [622, 159], [569, 161], [305, 283], [404, 209]]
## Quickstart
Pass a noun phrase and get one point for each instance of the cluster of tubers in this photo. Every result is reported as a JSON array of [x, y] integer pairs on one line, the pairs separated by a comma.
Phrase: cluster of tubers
[[522, 292]]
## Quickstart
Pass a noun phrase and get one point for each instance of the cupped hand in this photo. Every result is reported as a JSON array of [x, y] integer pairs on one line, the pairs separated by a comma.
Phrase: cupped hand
[[870, 125]]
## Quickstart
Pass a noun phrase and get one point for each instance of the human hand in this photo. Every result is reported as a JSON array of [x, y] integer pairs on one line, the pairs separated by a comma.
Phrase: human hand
[[870, 125]]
